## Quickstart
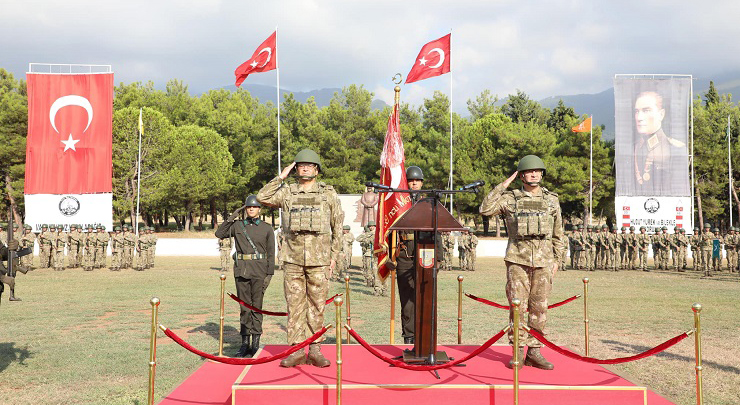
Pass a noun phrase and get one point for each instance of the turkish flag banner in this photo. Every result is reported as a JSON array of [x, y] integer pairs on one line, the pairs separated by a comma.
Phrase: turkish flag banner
[[584, 126], [391, 206], [263, 59], [69, 167], [433, 60]]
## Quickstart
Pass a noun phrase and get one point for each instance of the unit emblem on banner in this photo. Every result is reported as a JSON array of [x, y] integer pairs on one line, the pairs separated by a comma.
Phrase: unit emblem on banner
[[69, 206], [652, 205]]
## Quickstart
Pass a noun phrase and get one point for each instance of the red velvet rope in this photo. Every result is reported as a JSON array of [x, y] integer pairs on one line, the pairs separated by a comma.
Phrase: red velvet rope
[[241, 361], [657, 349], [401, 364], [506, 307], [271, 313]]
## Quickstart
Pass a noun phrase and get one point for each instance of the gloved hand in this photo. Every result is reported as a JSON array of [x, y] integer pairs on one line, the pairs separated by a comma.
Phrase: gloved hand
[[13, 244]]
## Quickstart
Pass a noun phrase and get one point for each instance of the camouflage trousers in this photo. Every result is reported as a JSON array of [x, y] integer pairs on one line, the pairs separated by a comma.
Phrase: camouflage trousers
[[306, 288], [717, 262], [126, 254], [604, 258], [225, 260], [73, 256], [377, 284], [696, 256], [100, 256], [447, 266], [674, 258], [681, 258], [115, 260], [731, 260], [470, 260], [367, 270], [531, 285], [462, 258], [10, 281], [576, 259], [27, 261], [643, 259], [58, 260], [341, 269], [706, 258], [45, 256], [89, 259]]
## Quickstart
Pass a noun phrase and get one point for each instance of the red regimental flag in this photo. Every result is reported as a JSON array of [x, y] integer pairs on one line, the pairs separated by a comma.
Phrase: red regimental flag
[[433, 60], [392, 205], [69, 145], [263, 59], [585, 126]]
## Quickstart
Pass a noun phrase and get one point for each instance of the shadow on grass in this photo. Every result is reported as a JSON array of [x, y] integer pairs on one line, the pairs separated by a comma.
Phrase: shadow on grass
[[211, 328], [632, 349], [9, 354]]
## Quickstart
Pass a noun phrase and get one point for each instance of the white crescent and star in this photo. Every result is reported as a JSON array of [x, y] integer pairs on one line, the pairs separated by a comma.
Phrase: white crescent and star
[[423, 61], [269, 56], [65, 101]]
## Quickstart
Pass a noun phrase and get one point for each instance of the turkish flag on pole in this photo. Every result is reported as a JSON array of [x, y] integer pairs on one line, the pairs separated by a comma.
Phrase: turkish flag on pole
[[262, 60], [392, 206], [433, 60], [585, 126]]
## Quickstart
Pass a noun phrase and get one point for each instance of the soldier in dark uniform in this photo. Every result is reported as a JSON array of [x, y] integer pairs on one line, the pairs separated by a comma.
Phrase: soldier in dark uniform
[[405, 266], [253, 261], [6, 278]]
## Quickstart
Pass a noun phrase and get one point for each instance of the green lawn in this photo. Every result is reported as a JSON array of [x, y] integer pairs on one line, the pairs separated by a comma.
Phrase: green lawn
[[83, 337]]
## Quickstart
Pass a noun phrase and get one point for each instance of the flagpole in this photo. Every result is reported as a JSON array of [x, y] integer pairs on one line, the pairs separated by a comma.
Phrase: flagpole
[[138, 178], [591, 173], [279, 156], [451, 185], [729, 168]]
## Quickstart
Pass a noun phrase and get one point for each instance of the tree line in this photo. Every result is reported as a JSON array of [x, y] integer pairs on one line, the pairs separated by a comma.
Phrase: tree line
[[203, 154]]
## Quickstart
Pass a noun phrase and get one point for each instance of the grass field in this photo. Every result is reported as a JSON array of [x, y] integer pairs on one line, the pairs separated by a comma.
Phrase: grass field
[[83, 337]]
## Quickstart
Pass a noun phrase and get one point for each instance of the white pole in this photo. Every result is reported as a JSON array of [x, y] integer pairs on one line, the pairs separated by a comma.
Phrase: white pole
[[138, 182], [693, 175], [279, 156], [451, 185], [591, 173], [729, 168]]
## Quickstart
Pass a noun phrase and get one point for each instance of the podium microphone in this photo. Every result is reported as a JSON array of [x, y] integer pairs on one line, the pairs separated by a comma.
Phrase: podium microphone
[[376, 185], [474, 184]]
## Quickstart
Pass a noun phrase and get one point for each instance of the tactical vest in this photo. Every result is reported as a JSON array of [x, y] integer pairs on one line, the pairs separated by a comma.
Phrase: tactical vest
[[531, 217], [307, 211]]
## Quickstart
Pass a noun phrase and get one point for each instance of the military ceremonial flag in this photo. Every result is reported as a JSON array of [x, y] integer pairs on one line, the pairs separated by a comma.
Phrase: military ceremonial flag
[[263, 59], [69, 148], [584, 126], [433, 60], [392, 206]]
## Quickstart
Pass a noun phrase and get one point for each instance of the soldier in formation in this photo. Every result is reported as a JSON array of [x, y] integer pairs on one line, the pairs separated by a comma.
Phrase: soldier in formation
[[588, 248], [101, 247], [369, 260], [152, 251], [142, 244], [576, 246], [533, 254], [129, 245], [28, 240], [613, 242], [706, 244], [731, 245], [682, 243], [74, 246], [224, 249], [470, 244], [345, 259], [695, 243], [643, 245], [116, 248], [60, 242], [5, 276], [312, 224], [253, 261], [89, 242], [44, 247], [717, 251]]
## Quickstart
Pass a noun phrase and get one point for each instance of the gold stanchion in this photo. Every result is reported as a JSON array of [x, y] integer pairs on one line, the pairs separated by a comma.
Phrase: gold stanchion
[[393, 305], [346, 296], [697, 342], [153, 349], [459, 308], [515, 349], [585, 312], [221, 318], [338, 303]]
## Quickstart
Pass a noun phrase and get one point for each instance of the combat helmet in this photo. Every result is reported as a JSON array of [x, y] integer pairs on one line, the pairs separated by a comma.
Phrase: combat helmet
[[707, 226], [696, 229], [632, 228], [251, 201], [308, 156], [642, 228], [715, 230], [346, 228], [370, 223], [414, 173], [531, 162]]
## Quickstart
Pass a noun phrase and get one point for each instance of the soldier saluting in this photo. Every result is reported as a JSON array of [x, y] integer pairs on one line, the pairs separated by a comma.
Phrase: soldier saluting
[[536, 240], [312, 227]]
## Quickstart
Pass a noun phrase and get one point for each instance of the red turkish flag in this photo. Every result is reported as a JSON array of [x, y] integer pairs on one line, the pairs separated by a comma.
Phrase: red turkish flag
[[391, 206], [70, 134], [262, 60], [433, 60]]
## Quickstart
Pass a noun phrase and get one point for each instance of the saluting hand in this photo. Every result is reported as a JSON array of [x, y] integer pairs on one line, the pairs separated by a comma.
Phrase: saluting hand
[[511, 178], [286, 172]]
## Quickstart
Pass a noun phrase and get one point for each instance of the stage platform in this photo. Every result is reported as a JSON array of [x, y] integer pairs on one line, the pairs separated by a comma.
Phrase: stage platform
[[367, 380]]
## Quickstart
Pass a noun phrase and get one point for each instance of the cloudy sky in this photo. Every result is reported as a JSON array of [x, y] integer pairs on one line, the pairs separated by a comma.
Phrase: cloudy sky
[[542, 47]]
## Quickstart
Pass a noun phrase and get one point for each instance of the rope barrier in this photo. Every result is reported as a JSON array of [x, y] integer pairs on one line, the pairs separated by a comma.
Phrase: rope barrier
[[401, 364], [506, 307], [271, 313], [242, 361], [618, 360]]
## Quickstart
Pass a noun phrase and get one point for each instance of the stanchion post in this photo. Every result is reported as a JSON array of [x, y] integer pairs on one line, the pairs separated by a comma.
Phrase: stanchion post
[[459, 308], [585, 312], [393, 306], [338, 304], [515, 349], [346, 296], [697, 342], [153, 349], [221, 318]]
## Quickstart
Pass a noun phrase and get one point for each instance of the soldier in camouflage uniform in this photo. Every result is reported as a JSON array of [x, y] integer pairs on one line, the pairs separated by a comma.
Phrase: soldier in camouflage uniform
[[707, 238], [577, 242], [367, 241], [536, 245], [44, 247], [614, 241], [6, 278], [153, 248], [470, 252], [88, 243], [101, 247], [346, 256], [28, 240], [731, 245], [643, 245], [681, 243], [588, 248], [116, 247], [673, 243], [312, 222], [59, 242], [695, 243], [461, 250], [142, 244], [75, 246], [129, 243], [224, 249], [717, 259], [448, 244]]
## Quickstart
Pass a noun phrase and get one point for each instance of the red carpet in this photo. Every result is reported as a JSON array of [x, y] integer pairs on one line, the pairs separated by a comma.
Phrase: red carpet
[[367, 380]]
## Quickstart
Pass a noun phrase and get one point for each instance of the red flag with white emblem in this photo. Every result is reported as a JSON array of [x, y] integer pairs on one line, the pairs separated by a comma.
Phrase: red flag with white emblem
[[263, 59], [69, 148], [391, 206], [433, 60]]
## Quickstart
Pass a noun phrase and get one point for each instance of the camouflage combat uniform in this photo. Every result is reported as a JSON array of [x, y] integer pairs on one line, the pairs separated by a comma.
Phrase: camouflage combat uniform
[[682, 242], [707, 240], [224, 249], [116, 247], [643, 244], [536, 243], [28, 240], [89, 242], [731, 245], [346, 262], [74, 249], [101, 247], [59, 242], [462, 242], [370, 262], [470, 252], [45, 248]]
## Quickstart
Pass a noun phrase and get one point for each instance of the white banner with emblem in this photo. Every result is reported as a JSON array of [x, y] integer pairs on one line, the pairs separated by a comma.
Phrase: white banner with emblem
[[654, 212]]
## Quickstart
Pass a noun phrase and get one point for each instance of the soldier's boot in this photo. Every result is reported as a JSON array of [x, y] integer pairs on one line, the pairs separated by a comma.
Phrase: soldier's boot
[[536, 359], [510, 364], [255, 345], [294, 359], [12, 296], [409, 340], [245, 347], [315, 358]]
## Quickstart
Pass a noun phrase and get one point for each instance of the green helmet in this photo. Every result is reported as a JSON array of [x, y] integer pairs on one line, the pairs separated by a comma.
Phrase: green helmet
[[665, 228], [624, 228], [27, 226], [715, 230], [531, 162], [580, 226], [414, 173], [308, 156], [52, 226], [614, 228], [346, 228], [252, 201], [589, 227], [117, 228], [696, 229], [707, 226], [370, 223], [605, 226], [15, 226], [642, 228], [632, 228]]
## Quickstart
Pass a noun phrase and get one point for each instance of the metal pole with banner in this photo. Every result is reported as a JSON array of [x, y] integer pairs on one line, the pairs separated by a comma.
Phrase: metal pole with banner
[[652, 140], [69, 167]]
